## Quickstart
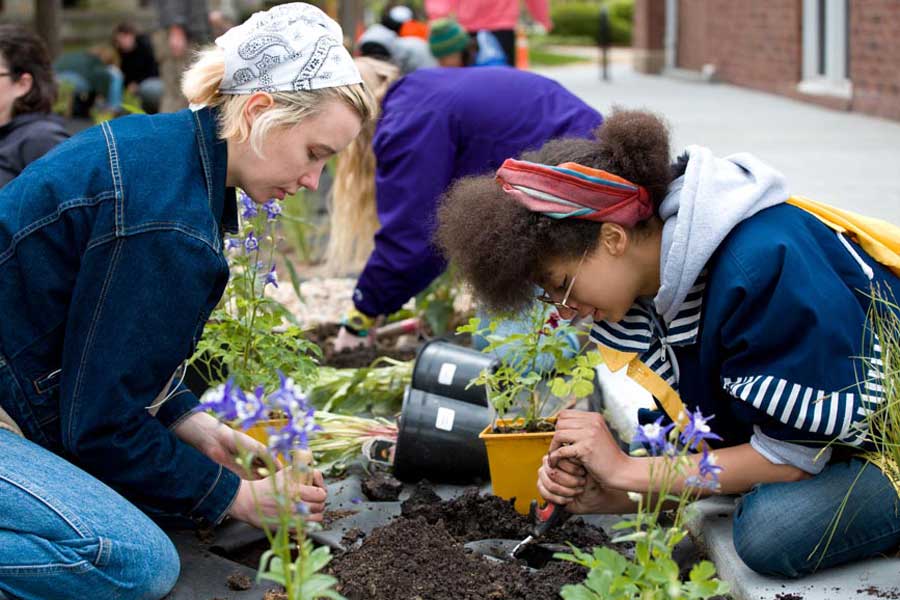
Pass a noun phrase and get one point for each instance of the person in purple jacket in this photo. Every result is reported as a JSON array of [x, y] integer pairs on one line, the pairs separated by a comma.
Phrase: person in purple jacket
[[436, 126]]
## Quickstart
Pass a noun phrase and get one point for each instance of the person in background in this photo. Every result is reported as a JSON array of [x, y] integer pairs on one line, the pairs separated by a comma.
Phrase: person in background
[[435, 126], [138, 66], [499, 17], [112, 260], [407, 53], [453, 47], [28, 130], [221, 21], [94, 77], [183, 27]]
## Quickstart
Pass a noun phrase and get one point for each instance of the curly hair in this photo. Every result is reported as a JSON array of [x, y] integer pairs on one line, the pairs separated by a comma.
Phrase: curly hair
[[501, 249], [25, 52]]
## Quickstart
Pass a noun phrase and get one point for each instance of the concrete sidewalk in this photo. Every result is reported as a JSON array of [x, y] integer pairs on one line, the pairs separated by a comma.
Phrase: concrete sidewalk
[[841, 158]]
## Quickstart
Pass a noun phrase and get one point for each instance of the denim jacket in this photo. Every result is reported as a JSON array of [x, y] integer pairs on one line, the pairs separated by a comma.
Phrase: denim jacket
[[110, 264]]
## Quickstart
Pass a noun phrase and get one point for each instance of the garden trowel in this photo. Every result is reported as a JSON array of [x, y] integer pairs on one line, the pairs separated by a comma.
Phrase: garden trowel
[[545, 518]]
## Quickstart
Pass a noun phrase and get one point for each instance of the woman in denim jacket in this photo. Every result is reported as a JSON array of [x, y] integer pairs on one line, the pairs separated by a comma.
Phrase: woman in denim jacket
[[110, 263]]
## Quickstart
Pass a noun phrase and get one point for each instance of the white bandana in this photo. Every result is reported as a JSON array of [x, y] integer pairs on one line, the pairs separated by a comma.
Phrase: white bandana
[[288, 48]]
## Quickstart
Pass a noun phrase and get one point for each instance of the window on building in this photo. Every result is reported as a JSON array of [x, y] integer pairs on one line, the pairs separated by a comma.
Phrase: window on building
[[826, 43]]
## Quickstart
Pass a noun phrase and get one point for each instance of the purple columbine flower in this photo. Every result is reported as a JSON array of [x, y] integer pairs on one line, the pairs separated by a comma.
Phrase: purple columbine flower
[[230, 403], [654, 436], [221, 401], [250, 408], [249, 207], [273, 209], [251, 244], [697, 430], [708, 467], [270, 277], [232, 243], [300, 417]]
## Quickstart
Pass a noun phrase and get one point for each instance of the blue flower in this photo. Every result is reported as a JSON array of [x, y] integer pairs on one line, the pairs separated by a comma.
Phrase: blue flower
[[249, 205], [708, 477], [708, 467], [653, 435], [697, 430], [273, 209], [300, 417], [232, 243], [251, 244], [231, 404], [270, 277]]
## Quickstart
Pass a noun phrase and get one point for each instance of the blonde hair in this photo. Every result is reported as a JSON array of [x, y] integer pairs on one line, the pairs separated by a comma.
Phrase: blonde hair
[[200, 85], [354, 218]]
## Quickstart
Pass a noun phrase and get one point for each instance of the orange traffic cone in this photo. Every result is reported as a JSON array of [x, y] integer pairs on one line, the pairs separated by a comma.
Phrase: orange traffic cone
[[521, 49]]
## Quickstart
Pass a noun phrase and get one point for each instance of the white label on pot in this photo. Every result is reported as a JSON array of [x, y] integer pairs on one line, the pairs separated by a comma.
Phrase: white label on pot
[[445, 418], [448, 370]]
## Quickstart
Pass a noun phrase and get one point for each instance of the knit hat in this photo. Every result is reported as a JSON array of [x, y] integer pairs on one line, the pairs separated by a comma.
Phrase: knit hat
[[447, 37]]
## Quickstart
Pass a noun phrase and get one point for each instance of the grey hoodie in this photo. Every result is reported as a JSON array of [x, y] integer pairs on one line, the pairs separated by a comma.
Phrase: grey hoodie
[[701, 208]]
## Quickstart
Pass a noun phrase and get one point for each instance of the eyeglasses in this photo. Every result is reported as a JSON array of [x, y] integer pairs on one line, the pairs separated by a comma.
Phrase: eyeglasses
[[546, 299]]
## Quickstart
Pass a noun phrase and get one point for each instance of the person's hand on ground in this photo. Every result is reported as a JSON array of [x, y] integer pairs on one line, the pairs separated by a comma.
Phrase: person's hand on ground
[[584, 438], [350, 341], [257, 500]]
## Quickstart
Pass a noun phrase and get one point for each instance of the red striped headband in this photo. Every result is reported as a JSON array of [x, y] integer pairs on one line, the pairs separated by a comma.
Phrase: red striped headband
[[571, 190]]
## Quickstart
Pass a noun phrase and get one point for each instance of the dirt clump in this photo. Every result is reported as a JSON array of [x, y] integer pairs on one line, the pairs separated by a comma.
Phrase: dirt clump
[[381, 487], [239, 582]]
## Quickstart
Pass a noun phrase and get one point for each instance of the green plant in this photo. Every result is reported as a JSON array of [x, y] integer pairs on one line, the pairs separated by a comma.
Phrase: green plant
[[583, 19], [377, 389], [436, 303], [516, 382], [653, 574], [291, 559], [240, 337]]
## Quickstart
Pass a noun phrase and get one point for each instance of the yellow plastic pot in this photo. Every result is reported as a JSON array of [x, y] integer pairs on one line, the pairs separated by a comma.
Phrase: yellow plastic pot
[[260, 431], [514, 460]]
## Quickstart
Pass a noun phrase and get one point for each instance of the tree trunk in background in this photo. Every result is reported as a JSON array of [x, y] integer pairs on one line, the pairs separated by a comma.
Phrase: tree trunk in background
[[350, 16], [48, 22]]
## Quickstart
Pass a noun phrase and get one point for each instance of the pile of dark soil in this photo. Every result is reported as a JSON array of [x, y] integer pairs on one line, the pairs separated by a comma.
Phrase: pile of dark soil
[[472, 516], [421, 553], [412, 558]]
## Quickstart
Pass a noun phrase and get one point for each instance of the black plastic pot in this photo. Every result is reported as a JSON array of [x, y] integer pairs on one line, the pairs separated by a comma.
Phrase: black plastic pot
[[446, 369], [438, 439]]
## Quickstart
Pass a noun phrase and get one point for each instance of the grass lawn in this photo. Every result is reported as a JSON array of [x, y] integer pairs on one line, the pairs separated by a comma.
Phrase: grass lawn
[[543, 58]]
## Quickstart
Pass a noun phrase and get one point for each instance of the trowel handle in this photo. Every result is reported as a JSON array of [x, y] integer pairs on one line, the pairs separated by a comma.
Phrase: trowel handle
[[548, 516]]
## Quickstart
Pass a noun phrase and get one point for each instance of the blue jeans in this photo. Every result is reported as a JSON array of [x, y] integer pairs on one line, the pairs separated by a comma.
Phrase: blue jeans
[[777, 526], [66, 535]]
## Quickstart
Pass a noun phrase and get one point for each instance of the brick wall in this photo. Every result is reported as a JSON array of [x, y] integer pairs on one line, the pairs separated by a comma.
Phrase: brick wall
[[759, 44], [875, 57], [755, 44]]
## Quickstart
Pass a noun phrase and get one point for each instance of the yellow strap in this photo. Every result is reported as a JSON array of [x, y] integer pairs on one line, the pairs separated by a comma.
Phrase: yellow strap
[[879, 239], [667, 397]]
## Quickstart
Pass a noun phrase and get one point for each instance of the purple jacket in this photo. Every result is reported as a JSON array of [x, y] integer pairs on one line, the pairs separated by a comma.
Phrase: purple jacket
[[438, 125]]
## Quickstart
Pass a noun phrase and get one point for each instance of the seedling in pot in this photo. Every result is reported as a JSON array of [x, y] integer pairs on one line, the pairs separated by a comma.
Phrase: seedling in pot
[[536, 365]]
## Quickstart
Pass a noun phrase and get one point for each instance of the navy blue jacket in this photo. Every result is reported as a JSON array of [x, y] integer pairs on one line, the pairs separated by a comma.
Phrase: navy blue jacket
[[110, 264], [774, 333]]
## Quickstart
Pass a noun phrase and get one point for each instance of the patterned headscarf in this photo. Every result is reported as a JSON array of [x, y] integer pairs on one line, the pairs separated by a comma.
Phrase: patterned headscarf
[[288, 48], [574, 191]]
